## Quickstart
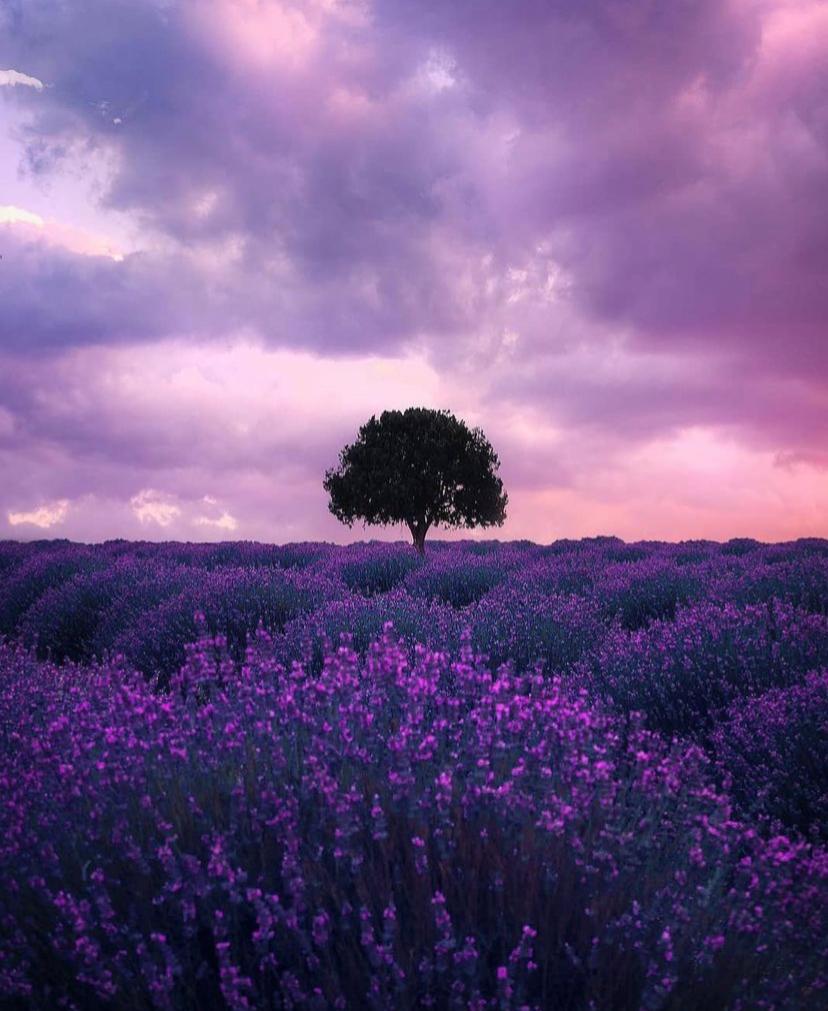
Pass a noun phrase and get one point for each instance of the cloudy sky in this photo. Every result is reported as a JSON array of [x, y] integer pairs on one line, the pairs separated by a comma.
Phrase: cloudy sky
[[232, 230]]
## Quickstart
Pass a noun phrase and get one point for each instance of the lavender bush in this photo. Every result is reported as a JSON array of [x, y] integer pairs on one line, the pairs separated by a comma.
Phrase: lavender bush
[[580, 776], [682, 673], [773, 752], [384, 833]]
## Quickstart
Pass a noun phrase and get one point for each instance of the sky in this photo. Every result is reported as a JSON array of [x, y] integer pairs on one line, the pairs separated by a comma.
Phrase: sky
[[233, 230]]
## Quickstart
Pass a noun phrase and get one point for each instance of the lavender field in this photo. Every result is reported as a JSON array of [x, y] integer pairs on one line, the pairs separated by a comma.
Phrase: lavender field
[[583, 776]]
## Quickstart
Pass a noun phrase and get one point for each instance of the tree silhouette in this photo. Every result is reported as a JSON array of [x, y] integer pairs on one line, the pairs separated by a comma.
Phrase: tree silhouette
[[420, 467]]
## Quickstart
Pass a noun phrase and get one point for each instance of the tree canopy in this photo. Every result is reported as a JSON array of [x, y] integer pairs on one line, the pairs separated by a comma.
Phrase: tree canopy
[[420, 467]]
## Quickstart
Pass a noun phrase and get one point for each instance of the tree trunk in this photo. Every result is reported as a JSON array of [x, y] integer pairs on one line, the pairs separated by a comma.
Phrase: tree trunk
[[419, 529]]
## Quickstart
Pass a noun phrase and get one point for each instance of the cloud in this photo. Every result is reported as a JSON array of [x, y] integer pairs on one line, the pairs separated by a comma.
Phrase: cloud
[[226, 409], [223, 522], [183, 441], [165, 509], [34, 228], [151, 506], [48, 515], [13, 78], [594, 220], [664, 160], [322, 209], [12, 215]]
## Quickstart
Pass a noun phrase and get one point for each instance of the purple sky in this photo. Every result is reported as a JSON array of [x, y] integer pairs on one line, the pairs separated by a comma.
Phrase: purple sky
[[232, 230]]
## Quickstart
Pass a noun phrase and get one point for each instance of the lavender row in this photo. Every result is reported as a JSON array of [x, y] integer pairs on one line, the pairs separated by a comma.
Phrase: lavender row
[[80, 601]]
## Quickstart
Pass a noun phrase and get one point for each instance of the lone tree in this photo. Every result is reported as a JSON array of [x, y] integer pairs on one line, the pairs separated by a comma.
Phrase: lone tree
[[420, 467]]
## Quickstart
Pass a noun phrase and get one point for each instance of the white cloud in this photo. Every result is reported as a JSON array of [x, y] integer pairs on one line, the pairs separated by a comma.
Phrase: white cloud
[[224, 522], [151, 506], [47, 515], [437, 73], [9, 215], [55, 233], [11, 78]]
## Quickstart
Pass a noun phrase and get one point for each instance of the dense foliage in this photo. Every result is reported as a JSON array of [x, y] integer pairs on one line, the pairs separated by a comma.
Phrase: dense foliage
[[207, 799]]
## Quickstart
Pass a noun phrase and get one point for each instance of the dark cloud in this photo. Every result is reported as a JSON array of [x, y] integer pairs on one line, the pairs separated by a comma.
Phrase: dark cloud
[[54, 298], [344, 204], [621, 110]]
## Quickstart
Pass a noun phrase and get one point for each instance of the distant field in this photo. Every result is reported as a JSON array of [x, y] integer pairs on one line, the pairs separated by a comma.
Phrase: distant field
[[583, 775]]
